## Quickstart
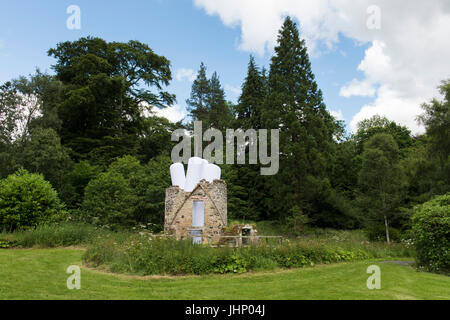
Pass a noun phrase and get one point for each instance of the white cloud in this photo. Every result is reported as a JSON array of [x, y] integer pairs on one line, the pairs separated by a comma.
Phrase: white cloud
[[185, 74], [234, 91], [389, 104], [358, 88], [338, 115], [376, 67], [405, 63], [174, 114]]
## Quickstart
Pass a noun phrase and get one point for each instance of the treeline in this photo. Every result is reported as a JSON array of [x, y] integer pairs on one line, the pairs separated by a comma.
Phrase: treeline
[[89, 129]]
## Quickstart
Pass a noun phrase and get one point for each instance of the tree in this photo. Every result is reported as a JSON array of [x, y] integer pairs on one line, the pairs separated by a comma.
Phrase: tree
[[377, 124], [107, 88], [207, 102], [254, 92], [295, 106], [247, 183], [9, 116], [436, 120], [46, 91], [219, 112], [198, 101], [381, 180], [44, 154], [155, 139], [19, 107]]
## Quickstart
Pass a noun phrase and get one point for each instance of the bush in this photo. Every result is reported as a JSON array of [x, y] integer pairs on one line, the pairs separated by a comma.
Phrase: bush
[[27, 200], [431, 232], [109, 201], [6, 244], [129, 194]]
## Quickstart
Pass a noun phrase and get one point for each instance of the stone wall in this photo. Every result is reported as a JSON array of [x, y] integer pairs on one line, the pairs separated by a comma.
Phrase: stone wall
[[178, 210]]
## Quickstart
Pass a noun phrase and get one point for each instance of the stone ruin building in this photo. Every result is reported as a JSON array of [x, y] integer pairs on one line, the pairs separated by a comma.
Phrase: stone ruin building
[[196, 204], [200, 214]]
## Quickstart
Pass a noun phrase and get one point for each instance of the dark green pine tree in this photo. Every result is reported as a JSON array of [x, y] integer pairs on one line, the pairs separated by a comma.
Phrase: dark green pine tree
[[252, 98], [220, 115], [198, 102], [295, 106], [248, 113]]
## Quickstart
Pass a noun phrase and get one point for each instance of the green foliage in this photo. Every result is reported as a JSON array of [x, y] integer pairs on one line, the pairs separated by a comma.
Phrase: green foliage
[[377, 232], [7, 244], [149, 255], [56, 235], [197, 103], [76, 182], [106, 87], [128, 194], [236, 194], [207, 101], [431, 230], [26, 201], [44, 154], [153, 199], [254, 91], [156, 138], [436, 119], [12, 115], [381, 180], [295, 106], [376, 125], [297, 221], [109, 201]]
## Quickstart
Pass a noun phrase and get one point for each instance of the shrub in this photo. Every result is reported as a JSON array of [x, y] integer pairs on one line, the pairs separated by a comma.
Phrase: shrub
[[431, 232], [27, 200], [128, 194], [6, 244], [109, 201]]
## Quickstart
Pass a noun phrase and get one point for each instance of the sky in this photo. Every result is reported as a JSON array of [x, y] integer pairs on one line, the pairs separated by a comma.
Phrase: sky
[[369, 57]]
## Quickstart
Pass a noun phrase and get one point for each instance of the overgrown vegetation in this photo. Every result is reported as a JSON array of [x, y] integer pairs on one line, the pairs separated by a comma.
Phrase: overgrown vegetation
[[53, 236], [144, 255]]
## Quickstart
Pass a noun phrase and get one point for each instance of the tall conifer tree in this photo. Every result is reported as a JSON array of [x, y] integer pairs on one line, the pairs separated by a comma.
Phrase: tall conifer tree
[[252, 98], [198, 101], [295, 106], [219, 112]]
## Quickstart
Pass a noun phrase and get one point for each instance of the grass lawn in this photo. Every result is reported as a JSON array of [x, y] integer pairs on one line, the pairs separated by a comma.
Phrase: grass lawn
[[40, 274]]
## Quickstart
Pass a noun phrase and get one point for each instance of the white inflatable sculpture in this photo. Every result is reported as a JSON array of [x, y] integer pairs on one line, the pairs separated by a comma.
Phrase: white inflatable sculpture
[[178, 175], [198, 169]]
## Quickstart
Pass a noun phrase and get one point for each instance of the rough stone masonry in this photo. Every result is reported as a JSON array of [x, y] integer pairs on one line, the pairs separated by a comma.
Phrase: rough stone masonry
[[179, 210]]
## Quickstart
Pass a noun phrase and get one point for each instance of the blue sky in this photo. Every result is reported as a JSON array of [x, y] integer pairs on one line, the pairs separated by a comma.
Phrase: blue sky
[[181, 30]]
